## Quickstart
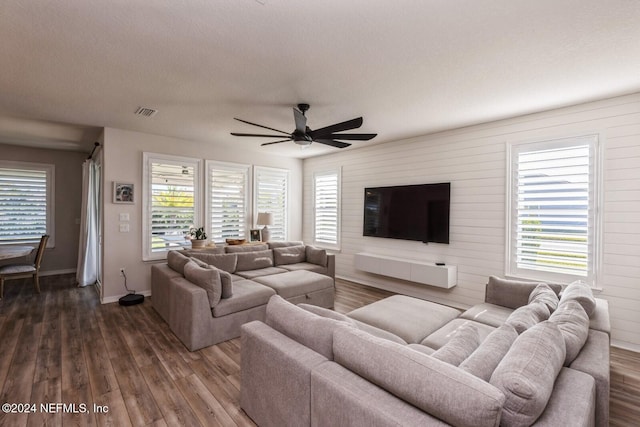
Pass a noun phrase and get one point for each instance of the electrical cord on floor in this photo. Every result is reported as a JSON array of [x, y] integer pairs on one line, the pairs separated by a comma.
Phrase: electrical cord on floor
[[125, 282]]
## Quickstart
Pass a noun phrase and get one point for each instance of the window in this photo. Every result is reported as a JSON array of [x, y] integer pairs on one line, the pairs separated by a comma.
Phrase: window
[[271, 191], [326, 208], [171, 202], [26, 202], [553, 210], [228, 202]]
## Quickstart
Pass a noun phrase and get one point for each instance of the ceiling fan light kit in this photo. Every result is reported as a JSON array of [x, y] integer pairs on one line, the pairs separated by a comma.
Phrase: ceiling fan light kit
[[304, 136]]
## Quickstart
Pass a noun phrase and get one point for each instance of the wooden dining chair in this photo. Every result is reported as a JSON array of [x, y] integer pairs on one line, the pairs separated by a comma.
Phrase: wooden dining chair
[[16, 271]]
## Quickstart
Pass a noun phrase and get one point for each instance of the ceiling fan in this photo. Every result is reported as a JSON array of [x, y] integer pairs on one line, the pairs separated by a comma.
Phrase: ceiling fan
[[304, 136]]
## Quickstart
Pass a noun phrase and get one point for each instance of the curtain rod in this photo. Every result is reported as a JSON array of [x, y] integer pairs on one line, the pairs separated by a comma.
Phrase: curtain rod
[[95, 147]]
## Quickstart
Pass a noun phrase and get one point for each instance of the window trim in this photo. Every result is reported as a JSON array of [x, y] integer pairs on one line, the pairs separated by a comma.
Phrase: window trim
[[287, 196], [147, 159], [327, 172], [595, 140], [50, 170], [213, 164]]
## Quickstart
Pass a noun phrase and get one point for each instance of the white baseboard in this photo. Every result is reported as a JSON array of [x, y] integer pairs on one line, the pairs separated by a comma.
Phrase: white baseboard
[[57, 272], [625, 346], [110, 300]]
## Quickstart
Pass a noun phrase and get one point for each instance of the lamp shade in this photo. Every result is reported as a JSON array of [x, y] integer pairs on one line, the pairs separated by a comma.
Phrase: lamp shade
[[265, 218]]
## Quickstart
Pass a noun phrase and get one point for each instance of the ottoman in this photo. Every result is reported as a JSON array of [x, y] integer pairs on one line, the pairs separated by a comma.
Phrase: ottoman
[[412, 319], [301, 286]]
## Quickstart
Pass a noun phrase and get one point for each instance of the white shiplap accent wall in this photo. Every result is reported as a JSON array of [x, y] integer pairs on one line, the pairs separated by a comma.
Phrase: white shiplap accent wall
[[474, 160]]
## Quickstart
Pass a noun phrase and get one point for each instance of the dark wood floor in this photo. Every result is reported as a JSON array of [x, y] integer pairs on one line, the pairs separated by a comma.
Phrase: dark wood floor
[[62, 346]]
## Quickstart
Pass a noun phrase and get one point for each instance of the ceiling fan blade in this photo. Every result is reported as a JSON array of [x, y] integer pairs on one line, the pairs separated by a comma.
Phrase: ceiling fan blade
[[353, 136], [275, 142], [255, 134], [301, 120], [260, 126], [332, 143], [338, 127]]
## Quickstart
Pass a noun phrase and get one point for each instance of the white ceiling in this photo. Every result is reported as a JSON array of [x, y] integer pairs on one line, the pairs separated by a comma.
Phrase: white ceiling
[[409, 67]]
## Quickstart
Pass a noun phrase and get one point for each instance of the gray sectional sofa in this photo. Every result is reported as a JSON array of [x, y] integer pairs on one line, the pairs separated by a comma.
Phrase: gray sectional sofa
[[523, 357], [206, 295]]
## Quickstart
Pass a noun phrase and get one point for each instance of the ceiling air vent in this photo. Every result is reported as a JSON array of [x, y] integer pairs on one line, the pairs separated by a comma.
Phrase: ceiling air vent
[[147, 112]]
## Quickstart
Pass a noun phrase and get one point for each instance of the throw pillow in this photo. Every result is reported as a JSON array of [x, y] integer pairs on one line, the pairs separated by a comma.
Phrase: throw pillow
[[581, 292], [176, 261], [316, 256], [199, 262], [226, 262], [527, 316], [544, 294], [227, 284], [254, 260], [573, 322], [207, 278], [464, 342], [527, 373], [484, 360], [511, 293], [289, 255]]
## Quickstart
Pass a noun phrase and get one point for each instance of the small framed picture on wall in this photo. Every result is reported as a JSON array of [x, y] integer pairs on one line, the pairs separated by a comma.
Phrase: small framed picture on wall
[[122, 192], [255, 235]]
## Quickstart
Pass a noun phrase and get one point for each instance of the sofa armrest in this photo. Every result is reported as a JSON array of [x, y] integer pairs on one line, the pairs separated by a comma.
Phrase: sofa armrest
[[275, 376], [572, 402], [189, 313]]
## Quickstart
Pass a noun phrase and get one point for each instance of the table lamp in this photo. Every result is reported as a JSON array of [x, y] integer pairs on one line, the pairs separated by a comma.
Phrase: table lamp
[[266, 219]]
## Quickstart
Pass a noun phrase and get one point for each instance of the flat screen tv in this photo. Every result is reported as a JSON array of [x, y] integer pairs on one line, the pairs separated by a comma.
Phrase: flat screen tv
[[408, 212]]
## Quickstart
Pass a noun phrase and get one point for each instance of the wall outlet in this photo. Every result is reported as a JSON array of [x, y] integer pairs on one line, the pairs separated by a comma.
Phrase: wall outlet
[[122, 271]]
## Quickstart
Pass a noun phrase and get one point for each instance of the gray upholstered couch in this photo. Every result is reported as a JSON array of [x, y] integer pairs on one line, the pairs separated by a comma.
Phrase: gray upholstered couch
[[205, 296], [409, 362]]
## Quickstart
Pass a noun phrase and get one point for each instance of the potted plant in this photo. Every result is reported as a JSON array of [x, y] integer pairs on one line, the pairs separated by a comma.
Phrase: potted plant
[[198, 237]]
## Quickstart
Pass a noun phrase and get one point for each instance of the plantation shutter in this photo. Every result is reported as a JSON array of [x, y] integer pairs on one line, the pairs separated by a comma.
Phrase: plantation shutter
[[173, 204], [271, 196], [228, 204], [24, 202], [553, 208], [327, 208]]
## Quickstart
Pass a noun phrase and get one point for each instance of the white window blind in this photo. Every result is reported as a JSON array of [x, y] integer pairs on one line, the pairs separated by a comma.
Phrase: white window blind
[[327, 208], [553, 209], [26, 202], [228, 201], [272, 186], [171, 199]]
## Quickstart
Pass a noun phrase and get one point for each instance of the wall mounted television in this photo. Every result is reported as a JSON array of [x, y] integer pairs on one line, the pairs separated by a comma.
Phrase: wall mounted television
[[408, 212]]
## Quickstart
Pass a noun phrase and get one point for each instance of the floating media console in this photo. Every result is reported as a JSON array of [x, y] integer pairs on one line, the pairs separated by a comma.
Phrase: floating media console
[[442, 276]]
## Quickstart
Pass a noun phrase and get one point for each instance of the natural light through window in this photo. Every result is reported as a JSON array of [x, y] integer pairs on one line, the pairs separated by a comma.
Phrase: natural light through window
[[326, 190]]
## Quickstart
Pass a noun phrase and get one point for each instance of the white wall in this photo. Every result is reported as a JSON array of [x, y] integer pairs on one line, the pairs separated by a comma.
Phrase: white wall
[[122, 161], [473, 159]]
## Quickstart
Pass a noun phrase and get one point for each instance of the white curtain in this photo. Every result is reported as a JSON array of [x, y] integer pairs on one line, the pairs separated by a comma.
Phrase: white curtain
[[88, 250]]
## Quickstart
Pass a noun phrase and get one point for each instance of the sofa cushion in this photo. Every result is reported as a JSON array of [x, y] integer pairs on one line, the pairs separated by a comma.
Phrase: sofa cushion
[[463, 342], [511, 293], [234, 249], [381, 333], [545, 295], [527, 316], [527, 373], [289, 255], [484, 360], [303, 326], [207, 278], [421, 348], [294, 283], [325, 312], [246, 294], [274, 245], [438, 388], [320, 269], [412, 319], [316, 255], [442, 336], [253, 274], [489, 314], [226, 262], [177, 261], [573, 322], [581, 292], [254, 260], [600, 320], [205, 250]]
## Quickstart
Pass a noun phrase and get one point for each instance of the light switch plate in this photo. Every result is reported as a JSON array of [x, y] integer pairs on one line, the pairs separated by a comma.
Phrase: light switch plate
[[124, 216]]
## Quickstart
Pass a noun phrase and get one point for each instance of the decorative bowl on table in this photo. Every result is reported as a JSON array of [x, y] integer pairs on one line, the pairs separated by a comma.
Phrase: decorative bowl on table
[[232, 242]]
